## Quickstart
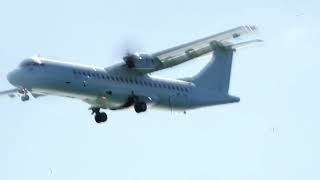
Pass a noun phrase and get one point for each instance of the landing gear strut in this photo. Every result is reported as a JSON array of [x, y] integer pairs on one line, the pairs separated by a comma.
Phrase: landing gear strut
[[100, 117], [25, 96]]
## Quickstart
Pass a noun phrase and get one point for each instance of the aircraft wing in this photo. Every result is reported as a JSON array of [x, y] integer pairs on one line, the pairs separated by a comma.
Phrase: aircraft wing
[[185, 52], [10, 93], [147, 63]]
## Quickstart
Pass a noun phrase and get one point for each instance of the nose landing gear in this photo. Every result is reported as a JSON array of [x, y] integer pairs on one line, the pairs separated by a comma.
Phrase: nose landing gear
[[25, 96], [99, 117]]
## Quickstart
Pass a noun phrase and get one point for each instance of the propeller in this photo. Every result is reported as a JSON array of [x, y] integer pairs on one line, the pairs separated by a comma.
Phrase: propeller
[[129, 59], [128, 51]]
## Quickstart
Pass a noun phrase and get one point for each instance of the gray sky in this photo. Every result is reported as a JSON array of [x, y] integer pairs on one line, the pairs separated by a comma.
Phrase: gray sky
[[273, 133]]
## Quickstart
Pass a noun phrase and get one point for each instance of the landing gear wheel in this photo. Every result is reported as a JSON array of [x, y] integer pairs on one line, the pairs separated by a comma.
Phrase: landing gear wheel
[[101, 117], [25, 98], [140, 107]]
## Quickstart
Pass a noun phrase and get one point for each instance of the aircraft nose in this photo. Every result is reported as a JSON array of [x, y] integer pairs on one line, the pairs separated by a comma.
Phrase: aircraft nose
[[13, 77]]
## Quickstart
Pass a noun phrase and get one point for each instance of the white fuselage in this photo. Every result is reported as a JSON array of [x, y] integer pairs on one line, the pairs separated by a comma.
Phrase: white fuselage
[[110, 88]]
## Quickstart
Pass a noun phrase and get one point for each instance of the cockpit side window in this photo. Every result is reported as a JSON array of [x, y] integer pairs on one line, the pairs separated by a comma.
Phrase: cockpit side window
[[31, 63], [26, 63]]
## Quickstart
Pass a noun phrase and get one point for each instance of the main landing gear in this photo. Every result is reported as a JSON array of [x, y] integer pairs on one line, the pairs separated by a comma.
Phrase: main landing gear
[[140, 107], [100, 117]]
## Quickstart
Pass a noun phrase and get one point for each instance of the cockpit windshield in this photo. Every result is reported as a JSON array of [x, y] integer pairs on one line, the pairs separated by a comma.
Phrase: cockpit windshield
[[31, 63]]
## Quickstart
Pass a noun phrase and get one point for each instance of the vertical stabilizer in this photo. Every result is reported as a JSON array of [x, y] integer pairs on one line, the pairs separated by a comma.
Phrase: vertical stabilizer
[[216, 74]]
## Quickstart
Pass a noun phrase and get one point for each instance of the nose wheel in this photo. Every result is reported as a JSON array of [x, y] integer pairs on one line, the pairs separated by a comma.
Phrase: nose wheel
[[99, 117], [24, 96]]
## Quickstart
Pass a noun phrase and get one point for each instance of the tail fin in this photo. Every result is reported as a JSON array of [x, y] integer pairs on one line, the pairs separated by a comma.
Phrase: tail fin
[[216, 75]]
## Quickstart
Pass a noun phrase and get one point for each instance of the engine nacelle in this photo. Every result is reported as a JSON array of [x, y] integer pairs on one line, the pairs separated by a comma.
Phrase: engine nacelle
[[141, 62]]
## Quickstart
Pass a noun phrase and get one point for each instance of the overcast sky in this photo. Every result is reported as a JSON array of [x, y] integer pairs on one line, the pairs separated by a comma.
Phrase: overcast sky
[[273, 133]]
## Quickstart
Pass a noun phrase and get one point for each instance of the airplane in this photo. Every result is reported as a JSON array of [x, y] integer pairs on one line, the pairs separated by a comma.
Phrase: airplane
[[130, 83]]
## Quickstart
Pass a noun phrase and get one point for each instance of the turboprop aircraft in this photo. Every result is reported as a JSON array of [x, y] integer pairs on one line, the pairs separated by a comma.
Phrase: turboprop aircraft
[[130, 84]]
